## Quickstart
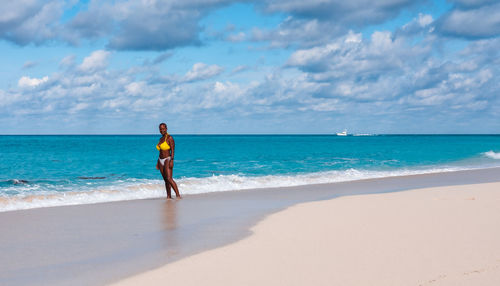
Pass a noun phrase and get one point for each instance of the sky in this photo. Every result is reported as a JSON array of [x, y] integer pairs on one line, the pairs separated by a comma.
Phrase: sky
[[249, 67]]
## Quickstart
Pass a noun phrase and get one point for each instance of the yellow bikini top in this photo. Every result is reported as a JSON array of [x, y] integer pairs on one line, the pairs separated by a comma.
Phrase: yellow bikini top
[[163, 146]]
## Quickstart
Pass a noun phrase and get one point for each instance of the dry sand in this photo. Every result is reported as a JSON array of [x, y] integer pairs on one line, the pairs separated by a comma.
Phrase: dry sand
[[434, 236]]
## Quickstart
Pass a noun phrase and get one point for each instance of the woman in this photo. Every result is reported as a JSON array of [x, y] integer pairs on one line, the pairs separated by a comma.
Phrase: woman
[[165, 164]]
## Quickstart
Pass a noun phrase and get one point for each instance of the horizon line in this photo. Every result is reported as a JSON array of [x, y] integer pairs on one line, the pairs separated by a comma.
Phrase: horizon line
[[243, 134]]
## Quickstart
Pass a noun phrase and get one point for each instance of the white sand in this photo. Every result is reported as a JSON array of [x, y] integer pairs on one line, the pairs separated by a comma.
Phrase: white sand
[[436, 236]]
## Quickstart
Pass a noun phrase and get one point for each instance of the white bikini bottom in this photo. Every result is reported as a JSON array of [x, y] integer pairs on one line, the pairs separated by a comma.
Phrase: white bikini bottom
[[162, 161]]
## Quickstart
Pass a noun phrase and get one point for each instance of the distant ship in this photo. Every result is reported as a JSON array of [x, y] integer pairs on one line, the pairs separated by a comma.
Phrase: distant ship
[[343, 133]]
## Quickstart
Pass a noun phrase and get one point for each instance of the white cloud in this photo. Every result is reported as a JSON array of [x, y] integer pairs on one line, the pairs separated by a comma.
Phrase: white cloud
[[221, 94], [201, 71], [314, 55], [30, 21], [27, 82], [304, 32], [219, 87], [126, 25], [359, 12], [474, 22], [395, 72], [350, 55], [78, 107], [98, 60], [135, 88], [14, 11], [312, 23], [381, 42], [424, 20], [143, 25], [353, 37], [86, 90]]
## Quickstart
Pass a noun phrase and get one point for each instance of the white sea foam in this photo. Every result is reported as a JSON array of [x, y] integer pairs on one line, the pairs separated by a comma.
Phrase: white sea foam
[[492, 155], [143, 189]]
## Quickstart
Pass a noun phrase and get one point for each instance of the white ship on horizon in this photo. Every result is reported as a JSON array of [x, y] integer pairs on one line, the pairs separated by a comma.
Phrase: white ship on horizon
[[343, 133]]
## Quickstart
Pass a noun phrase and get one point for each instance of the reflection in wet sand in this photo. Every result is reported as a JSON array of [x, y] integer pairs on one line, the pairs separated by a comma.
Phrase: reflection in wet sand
[[169, 221]]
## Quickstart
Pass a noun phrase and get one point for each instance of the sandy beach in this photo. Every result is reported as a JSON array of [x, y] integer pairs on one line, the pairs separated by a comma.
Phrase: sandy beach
[[393, 230], [432, 236]]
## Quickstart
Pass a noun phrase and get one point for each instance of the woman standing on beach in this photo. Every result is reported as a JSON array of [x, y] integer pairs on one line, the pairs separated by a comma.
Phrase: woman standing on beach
[[165, 163]]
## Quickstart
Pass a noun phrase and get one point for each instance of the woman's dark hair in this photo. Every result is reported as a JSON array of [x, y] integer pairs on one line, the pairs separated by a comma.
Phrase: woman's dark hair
[[165, 124]]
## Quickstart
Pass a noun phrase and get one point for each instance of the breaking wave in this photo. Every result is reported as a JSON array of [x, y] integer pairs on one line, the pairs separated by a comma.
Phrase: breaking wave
[[21, 196], [492, 155]]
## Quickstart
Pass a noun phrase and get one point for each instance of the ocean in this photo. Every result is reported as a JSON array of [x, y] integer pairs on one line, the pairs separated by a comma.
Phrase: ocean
[[56, 170]]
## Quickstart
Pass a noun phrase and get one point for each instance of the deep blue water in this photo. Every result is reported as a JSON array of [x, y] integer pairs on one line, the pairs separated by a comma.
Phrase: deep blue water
[[98, 168]]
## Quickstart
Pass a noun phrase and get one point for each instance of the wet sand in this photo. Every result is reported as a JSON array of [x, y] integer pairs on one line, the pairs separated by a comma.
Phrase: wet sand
[[102, 243]]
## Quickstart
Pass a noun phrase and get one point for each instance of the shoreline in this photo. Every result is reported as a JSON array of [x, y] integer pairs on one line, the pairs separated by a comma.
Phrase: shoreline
[[402, 174], [101, 243], [431, 236]]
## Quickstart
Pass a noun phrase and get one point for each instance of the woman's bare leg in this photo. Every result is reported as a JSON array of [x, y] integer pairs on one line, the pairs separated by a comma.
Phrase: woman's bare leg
[[171, 180], [163, 170]]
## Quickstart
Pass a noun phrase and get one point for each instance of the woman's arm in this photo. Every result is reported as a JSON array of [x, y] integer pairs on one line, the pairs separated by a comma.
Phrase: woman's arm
[[172, 146]]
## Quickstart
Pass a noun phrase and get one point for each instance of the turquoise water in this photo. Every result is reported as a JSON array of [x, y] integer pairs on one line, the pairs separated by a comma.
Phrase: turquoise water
[[40, 171]]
